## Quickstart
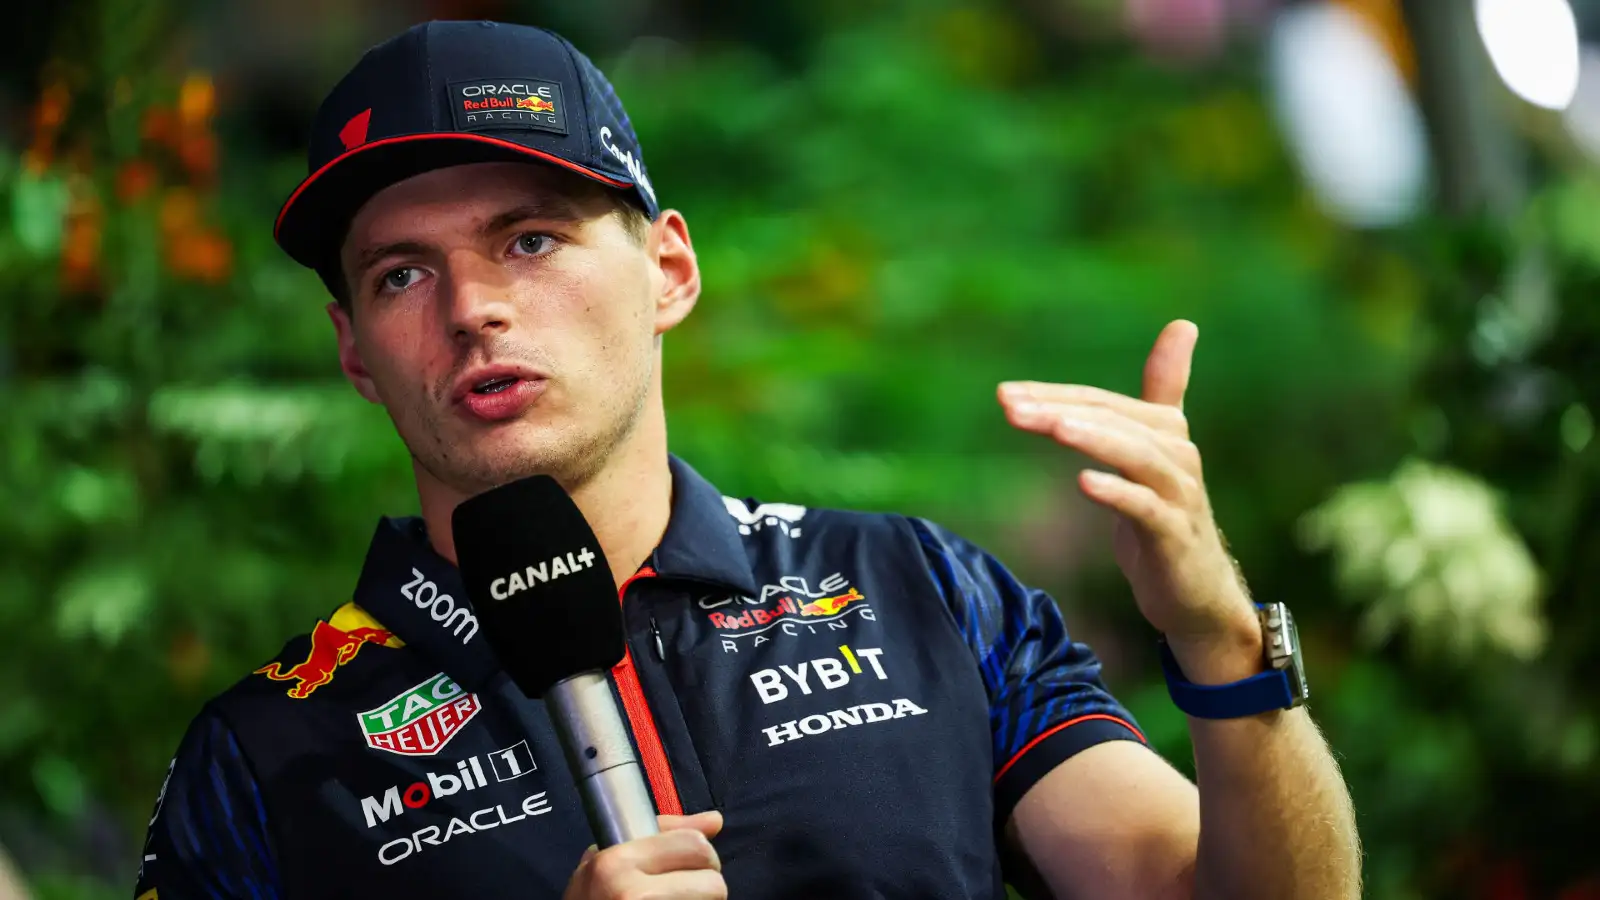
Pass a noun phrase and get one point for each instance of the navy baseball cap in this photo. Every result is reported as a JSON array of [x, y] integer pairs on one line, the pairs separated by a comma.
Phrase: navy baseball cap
[[450, 93]]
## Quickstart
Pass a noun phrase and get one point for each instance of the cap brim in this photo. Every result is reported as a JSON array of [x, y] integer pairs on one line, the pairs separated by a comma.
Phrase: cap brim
[[314, 218]]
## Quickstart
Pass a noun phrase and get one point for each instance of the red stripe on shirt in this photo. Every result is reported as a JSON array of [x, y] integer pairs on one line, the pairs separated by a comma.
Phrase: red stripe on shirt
[[1067, 724]]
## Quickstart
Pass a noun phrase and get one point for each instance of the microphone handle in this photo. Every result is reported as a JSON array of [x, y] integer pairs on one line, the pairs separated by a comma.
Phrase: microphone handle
[[615, 796]]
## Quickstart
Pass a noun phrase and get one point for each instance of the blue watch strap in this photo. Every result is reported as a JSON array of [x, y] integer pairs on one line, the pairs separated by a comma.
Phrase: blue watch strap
[[1254, 695]]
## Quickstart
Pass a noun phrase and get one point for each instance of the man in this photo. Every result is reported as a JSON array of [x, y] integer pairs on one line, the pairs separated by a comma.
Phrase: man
[[825, 703]]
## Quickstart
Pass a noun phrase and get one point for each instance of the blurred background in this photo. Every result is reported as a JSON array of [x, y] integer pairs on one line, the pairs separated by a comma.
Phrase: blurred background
[[1383, 214]]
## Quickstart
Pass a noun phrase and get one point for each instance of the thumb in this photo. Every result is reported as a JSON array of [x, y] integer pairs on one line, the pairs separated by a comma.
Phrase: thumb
[[1166, 372], [708, 823]]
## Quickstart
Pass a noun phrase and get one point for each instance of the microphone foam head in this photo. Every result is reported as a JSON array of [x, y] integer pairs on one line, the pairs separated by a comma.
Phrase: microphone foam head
[[538, 582]]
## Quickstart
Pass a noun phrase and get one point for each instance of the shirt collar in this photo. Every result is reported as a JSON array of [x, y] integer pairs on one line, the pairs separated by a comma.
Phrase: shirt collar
[[702, 541], [419, 596]]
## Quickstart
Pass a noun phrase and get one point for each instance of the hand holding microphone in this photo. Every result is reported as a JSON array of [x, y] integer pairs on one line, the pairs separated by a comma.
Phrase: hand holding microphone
[[679, 863], [548, 606]]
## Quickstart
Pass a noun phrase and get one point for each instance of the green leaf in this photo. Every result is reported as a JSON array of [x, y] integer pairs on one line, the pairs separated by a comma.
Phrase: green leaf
[[38, 213], [102, 602], [61, 784], [22, 719]]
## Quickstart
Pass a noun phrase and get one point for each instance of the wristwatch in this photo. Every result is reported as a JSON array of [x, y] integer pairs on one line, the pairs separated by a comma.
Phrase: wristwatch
[[1281, 686]]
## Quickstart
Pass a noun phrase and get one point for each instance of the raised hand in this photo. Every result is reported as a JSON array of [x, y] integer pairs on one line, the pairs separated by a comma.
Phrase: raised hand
[[1166, 539]]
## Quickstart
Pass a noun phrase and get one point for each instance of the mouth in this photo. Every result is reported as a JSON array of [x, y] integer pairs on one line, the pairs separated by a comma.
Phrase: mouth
[[486, 381], [498, 393], [495, 385]]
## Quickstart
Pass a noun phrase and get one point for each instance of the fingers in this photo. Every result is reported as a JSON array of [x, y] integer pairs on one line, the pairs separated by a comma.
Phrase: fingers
[[1136, 456], [1135, 501], [1020, 394], [1165, 463], [1166, 380], [708, 823], [676, 863], [673, 851], [700, 885], [1166, 371]]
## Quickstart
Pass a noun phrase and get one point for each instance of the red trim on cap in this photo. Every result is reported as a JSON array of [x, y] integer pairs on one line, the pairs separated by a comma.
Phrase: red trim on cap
[[437, 136]]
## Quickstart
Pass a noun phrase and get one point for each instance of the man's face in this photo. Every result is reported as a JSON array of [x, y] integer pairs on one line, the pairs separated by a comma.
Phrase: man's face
[[506, 317]]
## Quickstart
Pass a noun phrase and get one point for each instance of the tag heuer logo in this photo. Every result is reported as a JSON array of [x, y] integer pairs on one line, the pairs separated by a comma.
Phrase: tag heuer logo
[[421, 720]]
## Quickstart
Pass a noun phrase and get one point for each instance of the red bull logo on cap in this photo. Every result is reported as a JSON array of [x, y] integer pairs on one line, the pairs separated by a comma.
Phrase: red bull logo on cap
[[333, 643], [517, 103]]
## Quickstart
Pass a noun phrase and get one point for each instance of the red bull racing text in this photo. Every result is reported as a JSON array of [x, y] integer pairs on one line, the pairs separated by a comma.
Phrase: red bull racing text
[[790, 607]]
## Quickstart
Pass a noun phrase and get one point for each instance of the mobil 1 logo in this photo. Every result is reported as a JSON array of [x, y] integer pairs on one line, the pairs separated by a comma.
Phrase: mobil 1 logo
[[496, 808]]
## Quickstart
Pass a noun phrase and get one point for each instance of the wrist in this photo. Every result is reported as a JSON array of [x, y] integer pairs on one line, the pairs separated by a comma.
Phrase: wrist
[[1232, 653]]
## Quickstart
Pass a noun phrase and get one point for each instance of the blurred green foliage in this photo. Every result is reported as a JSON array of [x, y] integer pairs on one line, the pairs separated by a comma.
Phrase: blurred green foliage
[[896, 207]]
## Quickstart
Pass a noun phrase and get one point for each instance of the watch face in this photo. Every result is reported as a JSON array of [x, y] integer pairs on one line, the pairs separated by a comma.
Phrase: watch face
[[1283, 647], [1278, 630]]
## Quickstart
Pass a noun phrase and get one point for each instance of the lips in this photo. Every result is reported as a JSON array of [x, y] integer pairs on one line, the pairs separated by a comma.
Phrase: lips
[[497, 393]]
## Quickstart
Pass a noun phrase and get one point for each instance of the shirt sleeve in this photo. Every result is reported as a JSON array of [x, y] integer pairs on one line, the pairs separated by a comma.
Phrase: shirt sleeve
[[1046, 699], [208, 834]]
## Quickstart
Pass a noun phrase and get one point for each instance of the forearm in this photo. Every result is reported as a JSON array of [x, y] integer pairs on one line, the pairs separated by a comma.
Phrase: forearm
[[1275, 815]]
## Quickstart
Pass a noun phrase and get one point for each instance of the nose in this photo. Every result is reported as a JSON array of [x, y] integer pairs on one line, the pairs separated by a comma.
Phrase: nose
[[476, 297]]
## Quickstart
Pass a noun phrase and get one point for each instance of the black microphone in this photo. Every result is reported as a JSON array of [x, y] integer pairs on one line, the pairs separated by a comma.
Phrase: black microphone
[[549, 609]]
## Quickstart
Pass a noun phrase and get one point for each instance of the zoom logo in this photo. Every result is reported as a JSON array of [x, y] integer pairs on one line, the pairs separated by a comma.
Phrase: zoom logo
[[442, 607]]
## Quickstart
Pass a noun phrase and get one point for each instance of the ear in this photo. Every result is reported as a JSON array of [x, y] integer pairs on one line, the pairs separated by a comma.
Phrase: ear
[[349, 357], [679, 272]]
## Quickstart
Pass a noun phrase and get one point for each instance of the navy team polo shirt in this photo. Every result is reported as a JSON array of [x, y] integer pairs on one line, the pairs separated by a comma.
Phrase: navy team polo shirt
[[865, 697]]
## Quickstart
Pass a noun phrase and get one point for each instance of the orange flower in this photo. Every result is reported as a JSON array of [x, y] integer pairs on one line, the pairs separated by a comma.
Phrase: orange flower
[[80, 253], [159, 126], [54, 102], [180, 212], [80, 236], [135, 178], [204, 256], [197, 101], [37, 159], [198, 152]]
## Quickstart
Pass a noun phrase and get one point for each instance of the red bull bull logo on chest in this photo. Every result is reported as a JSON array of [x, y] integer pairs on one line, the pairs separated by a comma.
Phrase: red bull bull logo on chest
[[331, 647]]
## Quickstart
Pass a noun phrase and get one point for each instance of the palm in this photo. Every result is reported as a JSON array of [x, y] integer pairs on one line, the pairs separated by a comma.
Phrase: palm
[[1142, 567]]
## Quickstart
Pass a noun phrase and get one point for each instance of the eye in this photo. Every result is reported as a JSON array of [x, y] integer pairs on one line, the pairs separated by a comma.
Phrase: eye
[[532, 244], [396, 280]]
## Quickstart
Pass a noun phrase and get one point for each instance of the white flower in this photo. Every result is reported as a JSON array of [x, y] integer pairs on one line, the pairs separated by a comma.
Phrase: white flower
[[1430, 551]]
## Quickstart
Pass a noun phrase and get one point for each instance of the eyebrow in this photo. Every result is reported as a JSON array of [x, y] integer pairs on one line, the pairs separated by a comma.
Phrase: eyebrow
[[555, 210], [370, 256]]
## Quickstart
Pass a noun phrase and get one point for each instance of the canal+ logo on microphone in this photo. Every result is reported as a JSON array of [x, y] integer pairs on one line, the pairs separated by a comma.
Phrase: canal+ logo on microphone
[[509, 586]]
